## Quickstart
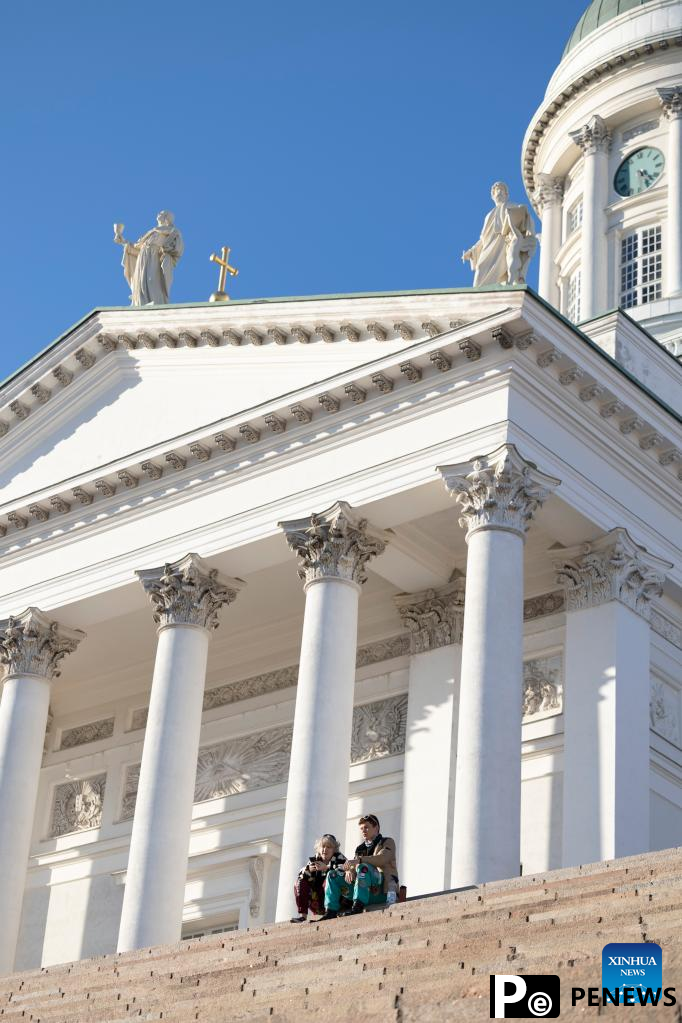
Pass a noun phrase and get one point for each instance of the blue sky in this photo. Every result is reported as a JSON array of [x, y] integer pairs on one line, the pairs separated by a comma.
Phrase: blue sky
[[335, 148]]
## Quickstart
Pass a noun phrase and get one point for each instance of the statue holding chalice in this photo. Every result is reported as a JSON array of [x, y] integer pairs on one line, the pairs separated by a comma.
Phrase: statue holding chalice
[[148, 263]]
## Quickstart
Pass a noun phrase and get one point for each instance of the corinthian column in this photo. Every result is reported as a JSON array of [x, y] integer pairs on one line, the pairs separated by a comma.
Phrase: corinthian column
[[31, 647], [594, 139], [498, 495], [434, 621], [186, 597], [609, 585], [333, 550], [548, 197], [671, 100]]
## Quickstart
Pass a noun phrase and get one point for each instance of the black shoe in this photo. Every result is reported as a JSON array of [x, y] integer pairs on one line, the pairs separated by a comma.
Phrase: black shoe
[[329, 914], [357, 907], [298, 919]]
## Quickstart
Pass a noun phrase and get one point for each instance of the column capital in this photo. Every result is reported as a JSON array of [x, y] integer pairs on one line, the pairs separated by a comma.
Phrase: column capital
[[549, 191], [613, 567], [33, 644], [593, 137], [433, 617], [188, 592], [671, 101], [501, 490], [334, 544]]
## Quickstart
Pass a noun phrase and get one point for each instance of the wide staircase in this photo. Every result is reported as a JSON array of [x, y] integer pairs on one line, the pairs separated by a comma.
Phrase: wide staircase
[[425, 960]]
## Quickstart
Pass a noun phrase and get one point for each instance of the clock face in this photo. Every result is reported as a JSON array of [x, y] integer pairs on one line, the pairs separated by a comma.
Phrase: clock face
[[639, 171]]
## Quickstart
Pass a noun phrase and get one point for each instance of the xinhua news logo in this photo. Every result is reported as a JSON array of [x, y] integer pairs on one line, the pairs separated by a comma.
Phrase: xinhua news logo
[[529, 996], [631, 974]]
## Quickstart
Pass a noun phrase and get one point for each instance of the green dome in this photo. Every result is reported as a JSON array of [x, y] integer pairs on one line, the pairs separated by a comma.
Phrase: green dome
[[597, 14]]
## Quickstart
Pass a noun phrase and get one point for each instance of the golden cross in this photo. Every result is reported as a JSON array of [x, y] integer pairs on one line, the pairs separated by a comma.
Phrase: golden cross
[[225, 269]]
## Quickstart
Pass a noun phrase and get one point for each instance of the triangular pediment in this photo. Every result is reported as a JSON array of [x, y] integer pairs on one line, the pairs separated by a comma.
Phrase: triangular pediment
[[124, 382]]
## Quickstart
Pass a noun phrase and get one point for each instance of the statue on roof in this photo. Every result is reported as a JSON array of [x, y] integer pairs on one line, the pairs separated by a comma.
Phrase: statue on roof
[[148, 263], [502, 253]]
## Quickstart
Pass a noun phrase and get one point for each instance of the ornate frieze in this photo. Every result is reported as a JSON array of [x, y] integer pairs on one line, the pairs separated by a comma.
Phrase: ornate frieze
[[257, 685], [593, 137], [256, 761], [671, 101], [77, 805], [33, 644], [542, 687], [383, 650], [283, 678], [545, 604], [666, 628], [83, 734], [433, 618], [188, 592], [337, 543], [497, 491], [613, 567], [664, 710]]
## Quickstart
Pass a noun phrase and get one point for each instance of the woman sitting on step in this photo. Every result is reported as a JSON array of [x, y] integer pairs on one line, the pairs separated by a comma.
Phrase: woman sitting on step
[[311, 880]]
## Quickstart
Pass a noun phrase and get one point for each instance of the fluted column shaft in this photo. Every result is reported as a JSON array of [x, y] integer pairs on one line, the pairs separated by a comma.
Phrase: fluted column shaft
[[31, 647], [609, 584], [594, 139], [548, 198], [671, 100], [187, 596], [498, 495], [333, 549]]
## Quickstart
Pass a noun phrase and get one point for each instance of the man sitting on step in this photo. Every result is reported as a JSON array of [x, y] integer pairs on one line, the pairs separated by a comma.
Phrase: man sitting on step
[[371, 876]]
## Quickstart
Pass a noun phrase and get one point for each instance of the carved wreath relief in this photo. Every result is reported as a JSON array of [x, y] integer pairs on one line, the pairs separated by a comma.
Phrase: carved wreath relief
[[78, 805], [255, 761]]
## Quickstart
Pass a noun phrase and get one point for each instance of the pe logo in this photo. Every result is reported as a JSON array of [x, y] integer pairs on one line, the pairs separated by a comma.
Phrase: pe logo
[[632, 965], [530, 996]]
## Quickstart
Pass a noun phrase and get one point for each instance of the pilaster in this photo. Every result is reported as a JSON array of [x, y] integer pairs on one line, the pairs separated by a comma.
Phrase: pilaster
[[671, 101], [609, 585], [434, 621], [594, 139]]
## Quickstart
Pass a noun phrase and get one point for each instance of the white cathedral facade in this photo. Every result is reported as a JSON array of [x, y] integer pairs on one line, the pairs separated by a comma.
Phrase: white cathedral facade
[[270, 565]]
